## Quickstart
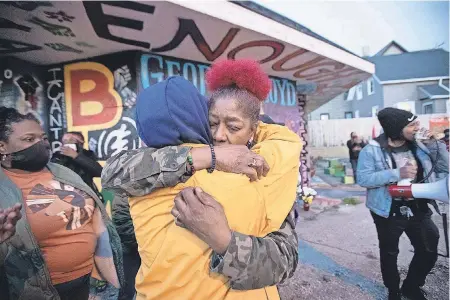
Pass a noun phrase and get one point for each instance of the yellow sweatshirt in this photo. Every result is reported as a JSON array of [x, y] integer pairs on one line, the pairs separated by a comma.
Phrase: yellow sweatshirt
[[175, 263]]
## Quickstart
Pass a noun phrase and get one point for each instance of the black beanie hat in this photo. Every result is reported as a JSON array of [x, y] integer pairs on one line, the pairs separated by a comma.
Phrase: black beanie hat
[[393, 120]]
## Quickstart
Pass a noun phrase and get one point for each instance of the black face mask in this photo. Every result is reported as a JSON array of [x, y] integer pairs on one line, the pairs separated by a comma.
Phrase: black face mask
[[33, 158]]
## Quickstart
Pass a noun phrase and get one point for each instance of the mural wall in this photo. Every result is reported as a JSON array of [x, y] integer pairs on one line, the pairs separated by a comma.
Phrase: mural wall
[[281, 104], [305, 166], [50, 32], [21, 87], [290, 110], [97, 97], [154, 68]]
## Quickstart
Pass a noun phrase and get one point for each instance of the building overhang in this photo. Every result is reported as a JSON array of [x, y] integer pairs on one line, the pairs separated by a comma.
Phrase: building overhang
[[51, 32], [433, 92]]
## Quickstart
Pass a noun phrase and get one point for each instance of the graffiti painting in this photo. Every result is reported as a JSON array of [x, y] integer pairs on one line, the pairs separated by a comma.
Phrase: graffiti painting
[[97, 98], [284, 106], [121, 78], [29, 5], [12, 47], [55, 29], [121, 137], [56, 106], [305, 166], [100, 98], [84, 44], [21, 88], [5, 23], [114, 26], [59, 15], [155, 68], [62, 47]]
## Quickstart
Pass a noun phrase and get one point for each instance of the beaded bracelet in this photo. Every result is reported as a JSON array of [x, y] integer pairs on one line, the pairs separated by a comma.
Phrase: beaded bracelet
[[213, 159], [191, 163]]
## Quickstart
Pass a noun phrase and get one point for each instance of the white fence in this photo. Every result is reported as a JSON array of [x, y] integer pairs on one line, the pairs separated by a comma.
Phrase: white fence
[[334, 133]]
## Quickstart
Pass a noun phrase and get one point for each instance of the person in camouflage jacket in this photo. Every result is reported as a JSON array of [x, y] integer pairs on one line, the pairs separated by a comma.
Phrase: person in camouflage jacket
[[249, 262], [142, 171]]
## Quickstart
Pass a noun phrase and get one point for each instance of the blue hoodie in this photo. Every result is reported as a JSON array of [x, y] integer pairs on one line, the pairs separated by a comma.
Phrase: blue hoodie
[[171, 113]]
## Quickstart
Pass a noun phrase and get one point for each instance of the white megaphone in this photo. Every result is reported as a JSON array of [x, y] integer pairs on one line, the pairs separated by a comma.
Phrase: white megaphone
[[435, 191]]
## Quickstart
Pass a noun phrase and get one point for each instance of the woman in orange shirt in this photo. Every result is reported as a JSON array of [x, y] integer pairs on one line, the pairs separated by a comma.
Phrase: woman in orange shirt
[[65, 232]]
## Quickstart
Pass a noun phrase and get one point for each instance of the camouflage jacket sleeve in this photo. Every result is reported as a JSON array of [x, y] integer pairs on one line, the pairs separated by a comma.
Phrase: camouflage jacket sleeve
[[141, 171], [253, 263]]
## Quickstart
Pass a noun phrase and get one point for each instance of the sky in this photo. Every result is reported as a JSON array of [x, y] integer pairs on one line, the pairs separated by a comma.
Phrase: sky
[[365, 27]]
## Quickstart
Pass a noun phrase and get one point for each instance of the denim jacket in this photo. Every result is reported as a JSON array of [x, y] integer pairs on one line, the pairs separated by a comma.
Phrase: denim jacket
[[375, 171]]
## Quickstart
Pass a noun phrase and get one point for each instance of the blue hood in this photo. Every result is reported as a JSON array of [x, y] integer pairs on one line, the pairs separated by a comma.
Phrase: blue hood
[[172, 112]]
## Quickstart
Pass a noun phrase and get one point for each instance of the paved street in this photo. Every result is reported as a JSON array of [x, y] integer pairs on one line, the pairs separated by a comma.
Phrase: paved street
[[339, 256]]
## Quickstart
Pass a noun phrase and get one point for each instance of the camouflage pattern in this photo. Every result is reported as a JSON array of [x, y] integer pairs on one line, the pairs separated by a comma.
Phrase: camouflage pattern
[[253, 263], [139, 172], [122, 220], [22, 265], [102, 290]]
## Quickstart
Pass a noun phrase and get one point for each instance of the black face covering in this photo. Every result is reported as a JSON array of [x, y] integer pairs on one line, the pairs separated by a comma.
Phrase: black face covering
[[33, 158]]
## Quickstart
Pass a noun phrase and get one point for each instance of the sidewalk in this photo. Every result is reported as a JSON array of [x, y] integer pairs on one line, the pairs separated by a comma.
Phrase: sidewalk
[[330, 196], [339, 258], [338, 251], [322, 180]]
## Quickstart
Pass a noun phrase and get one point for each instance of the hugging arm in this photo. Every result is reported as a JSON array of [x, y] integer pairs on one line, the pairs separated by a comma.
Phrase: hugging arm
[[255, 262]]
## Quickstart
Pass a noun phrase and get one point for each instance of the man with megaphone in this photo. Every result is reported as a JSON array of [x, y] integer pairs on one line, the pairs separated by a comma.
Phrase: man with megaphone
[[397, 157]]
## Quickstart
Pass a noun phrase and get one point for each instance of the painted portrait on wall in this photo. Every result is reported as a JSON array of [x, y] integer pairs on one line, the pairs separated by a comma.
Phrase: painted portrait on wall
[[22, 90]]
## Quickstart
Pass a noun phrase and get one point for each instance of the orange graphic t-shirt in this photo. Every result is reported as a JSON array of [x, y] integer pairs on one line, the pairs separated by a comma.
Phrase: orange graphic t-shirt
[[60, 217]]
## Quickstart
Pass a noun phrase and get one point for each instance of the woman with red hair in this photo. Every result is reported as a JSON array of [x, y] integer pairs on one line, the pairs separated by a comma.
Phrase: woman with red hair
[[255, 258], [238, 88]]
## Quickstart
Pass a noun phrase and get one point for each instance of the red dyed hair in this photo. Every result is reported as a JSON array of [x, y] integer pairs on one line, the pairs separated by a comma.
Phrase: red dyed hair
[[244, 73]]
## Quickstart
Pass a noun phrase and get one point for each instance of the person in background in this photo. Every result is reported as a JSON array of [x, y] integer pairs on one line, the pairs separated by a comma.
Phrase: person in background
[[390, 158], [446, 138], [66, 234], [355, 145], [81, 161]]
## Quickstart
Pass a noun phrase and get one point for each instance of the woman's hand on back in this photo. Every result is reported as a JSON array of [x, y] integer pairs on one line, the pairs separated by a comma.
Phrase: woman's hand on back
[[202, 215], [232, 159]]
